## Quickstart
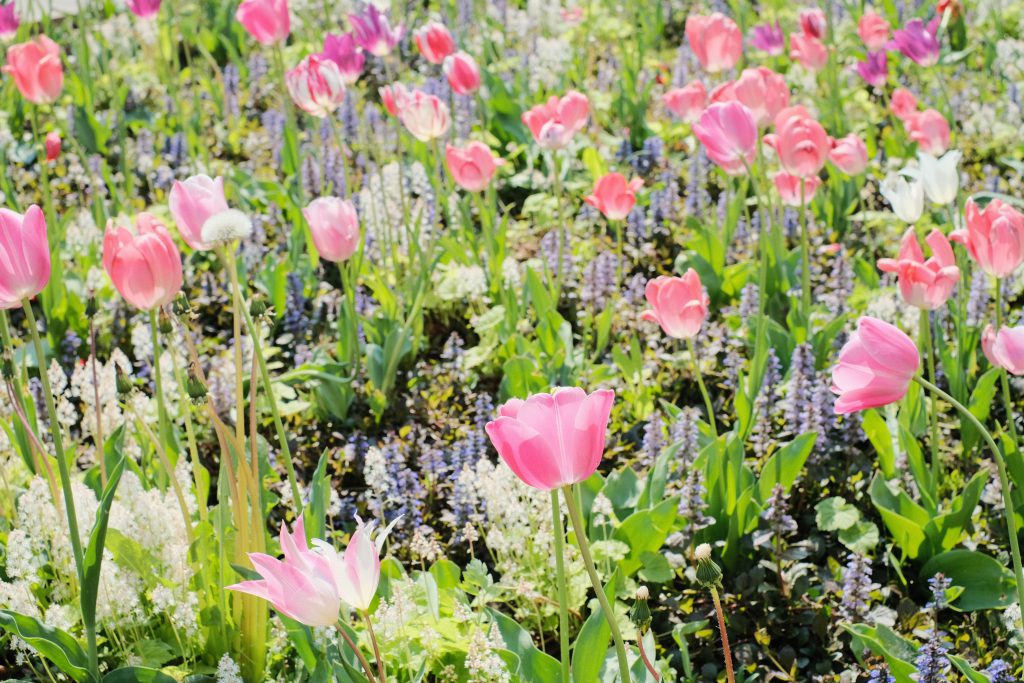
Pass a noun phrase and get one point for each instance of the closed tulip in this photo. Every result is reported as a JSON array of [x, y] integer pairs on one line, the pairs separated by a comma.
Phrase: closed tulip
[[930, 130], [553, 440], [1005, 348], [393, 97], [994, 237], [688, 102], [873, 30], [940, 177], [36, 69], [356, 572], [874, 69], [9, 21], [905, 196], [434, 42], [24, 256], [267, 21], [760, 90], [903, 104], [192, 203], [554, 123], [801, 144], [729, 134], [144, 266], [924, 283], [334, 225], [349, 57], [373, 32], [144, 9], [715, 40], [813, 22], [316, 86], [52, 145], [849, 154], [614, 196], [875, 367], [473, 166], [678, 304], [424, 116], [769, 38], [462, 72], [788, 187], [809, 51]]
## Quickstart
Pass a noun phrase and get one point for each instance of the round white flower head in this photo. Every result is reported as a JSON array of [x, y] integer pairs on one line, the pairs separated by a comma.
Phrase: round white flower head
[[226, 226], [702, 552], [643, 593]]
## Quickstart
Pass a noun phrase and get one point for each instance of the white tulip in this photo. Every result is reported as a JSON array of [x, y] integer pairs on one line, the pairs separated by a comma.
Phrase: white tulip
[[905, 195], [940, 177]]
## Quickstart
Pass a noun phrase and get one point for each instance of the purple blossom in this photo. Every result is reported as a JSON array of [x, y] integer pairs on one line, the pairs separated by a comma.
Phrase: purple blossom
[[875, 69], [917, 42], [769, 38], [343, 51], [373, 33]]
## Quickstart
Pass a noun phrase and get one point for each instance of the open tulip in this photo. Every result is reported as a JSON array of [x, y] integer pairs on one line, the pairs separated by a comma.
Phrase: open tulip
[[373, 33], [917, 42], [760, 90], [424, 116], [349, 57], [334, 226], [316, 85], [462, 72], [688, 102], [24, 256], [809, 51], [874, 69], [802, 145], [769, 38], [930, 130], [849, 154], [1005, 348], [875, 367], [267, 21], [434, 41], [357, 571], [924, 284], [715, 40], [554, 123], [553, 440], [145, 266], [873, 30], [994, 237], [36, 69], [472, 166], [905, 196], [678, 304], [193, 202], [940, 177], [788, 187], [614, 196], [729, 134]]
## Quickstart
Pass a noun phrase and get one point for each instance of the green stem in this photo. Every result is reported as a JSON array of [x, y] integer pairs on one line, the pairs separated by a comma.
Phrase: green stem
[[563, 604], [381, 671], [158, 382], [563, 231], [1003, 377], [805, 253], [44, 170], [726, 652], [703, 389], [581, 539], [1004, 482], [925, 335], [359, 653]]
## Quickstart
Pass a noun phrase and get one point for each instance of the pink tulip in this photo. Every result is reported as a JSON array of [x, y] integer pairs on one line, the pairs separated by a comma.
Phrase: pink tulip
[[715, 40], [930, 130], [356, 572], [472, 166], [801, 144], [613, 196], [875, 367], [334, 225], [903, 104], [849, 154], [809, 51], [873, 30], [8, 21], [554, 123], [678, 304], [729, 134], [788, 187], [266, 20], [24, 256], [553, 440], [424, 116], [994, 237], [373, 32], [144, 266], [343, 51], [813, 22], [192, 203], [1005, 348], [918, 42], [688, 102], [434, 41], [36, 69], [393, 97], [316, 86], [462, 72], [874, 69], [144, 9], [760, 89], [925, 284], [52, 144]]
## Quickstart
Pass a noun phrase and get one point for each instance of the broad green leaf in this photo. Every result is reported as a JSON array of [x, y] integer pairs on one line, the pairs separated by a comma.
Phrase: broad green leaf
[[534, 665], [56, 645], [987, 584], [835, 514], [137, 674], [93, 560]]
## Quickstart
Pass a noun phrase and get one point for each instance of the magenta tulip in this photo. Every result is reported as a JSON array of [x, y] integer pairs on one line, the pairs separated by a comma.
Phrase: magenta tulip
[[349, 57], [144, 9], [267, 21], [373, 33]]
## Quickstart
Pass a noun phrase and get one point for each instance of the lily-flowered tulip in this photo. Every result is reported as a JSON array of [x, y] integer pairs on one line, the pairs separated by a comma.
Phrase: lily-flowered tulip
[[52, 145], [715, 40], [688, 102], [788, 187], [302, 587], [349, 57], [24, 255], [553, 440], [729, 134], [940, 177], [334, 226], [930, 130], [678, 304], [193, 202], [813, 22], [145, 266], [393, 97], [144, 9], [357, 571], [462, 72], [554, 123], [36, 69], [924, 284], [761, 90], [769, 38], [316, 85], [424, 116], [873, 30], [614, 196], [373, 33], [905, 196], [918, 43], [9, 22], [874, 69], [994, 237], [809, 51], [473, 166], [1005, 348], [903, 104], [267, 21], [801, 144], [875, 367], [849, 154], [434, 41]]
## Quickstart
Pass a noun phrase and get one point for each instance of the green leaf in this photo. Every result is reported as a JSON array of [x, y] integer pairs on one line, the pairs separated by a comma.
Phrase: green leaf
[[861, 537], [93, 560], [534, 665], [56, 645], [835, 514], [591, 646], [137, 674], [987, 584], [972, 675], [785, 465], [645, 531], [878, 434]]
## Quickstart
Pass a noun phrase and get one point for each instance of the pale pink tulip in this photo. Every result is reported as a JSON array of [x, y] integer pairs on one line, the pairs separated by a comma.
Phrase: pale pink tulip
[[424, 116], [994, 237], [434, 41], [316, 85], [192, 203], [145, 266], [760, 90], [688, 102], [554, 123], [334, 226], [356, 572], [801, 144], [873, 30], [930, 130], [788, 187], [614, 196], [678, 304], [1005, 348], [924, 284], [849, 154], [462, 72], [24, 256], [36, 69], [875, 367], [729, 134], [267, 21], [808, 50], [473, 166], [715, 40]]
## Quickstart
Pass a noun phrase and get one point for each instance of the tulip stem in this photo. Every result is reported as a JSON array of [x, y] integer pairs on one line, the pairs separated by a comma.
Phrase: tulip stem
[[1004, 380], [805, 251], [376, 648], [580, 530], [563, 231], [97, 405], [726, 651], [44, 170], [359, 653], [703, 389], [1004, 482], [158, 382], [563, 597], [925, 334]]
